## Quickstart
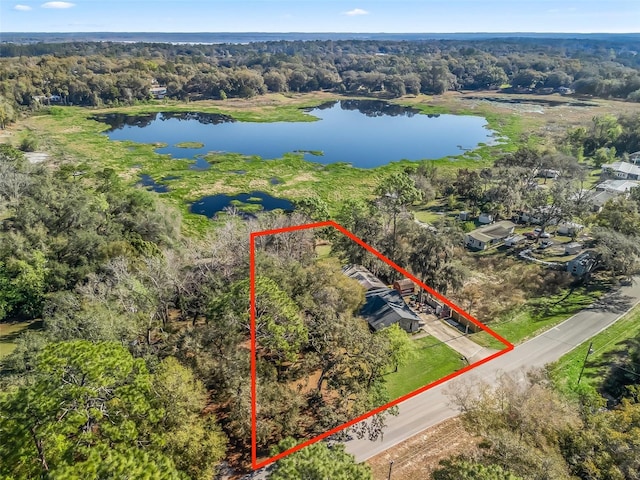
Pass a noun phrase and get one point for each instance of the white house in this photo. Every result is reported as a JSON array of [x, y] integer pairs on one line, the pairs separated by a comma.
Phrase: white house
[[623, 170], [489, 235], [617, 186]]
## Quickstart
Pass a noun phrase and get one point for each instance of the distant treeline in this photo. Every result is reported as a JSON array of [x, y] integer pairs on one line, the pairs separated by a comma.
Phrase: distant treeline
[[99, 73]]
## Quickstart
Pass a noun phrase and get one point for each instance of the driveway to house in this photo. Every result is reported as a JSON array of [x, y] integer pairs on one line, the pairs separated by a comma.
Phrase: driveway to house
[[455, 339], [432, 407]]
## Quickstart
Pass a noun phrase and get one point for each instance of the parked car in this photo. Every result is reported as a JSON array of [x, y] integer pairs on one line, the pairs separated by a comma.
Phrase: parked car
[[537, 231], [545, 244]]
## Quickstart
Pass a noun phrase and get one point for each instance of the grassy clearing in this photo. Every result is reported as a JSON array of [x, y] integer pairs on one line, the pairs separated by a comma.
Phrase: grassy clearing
[[434, 360], [540, 314], [608, 345]]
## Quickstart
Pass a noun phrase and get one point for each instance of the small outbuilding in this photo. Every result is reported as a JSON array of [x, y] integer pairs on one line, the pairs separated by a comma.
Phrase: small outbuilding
[[572, 248], [514, 240], [582, 264], [485, 218], [404, 287]]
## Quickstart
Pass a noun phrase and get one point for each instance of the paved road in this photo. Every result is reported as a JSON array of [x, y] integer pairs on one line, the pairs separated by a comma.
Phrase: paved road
[[431, 407]]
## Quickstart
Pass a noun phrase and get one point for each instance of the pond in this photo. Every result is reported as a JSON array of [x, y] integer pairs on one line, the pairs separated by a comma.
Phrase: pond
[[364, 133], [246, 204]]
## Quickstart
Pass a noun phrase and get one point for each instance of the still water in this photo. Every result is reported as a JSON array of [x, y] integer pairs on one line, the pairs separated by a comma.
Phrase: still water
[[364, 133]]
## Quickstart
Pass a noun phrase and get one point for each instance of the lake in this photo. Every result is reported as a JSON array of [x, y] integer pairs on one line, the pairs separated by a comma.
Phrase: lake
[[364, 133], [246, 204]]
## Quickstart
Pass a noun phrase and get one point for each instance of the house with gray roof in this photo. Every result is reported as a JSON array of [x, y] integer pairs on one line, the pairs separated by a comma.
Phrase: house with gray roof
[[489, 236], [363, 276], [624, 170], [383, 307], [617, 186]]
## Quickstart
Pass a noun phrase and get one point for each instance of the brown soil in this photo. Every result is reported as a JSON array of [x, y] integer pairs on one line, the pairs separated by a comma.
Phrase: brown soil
[[420, 455]]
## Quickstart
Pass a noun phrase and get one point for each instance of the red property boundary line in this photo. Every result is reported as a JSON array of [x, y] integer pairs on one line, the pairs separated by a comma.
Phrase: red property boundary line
[[252, 264]]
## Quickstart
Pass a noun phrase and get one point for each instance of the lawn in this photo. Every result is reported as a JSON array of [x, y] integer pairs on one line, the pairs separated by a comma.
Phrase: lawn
[[607, 346], [434, 360], [540, 314]]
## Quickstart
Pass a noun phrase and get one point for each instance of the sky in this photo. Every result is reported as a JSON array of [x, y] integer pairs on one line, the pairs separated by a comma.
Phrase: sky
[[388, 16]]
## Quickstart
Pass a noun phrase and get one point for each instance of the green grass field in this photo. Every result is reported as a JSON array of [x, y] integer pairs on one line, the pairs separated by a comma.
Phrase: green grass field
[[539, 315], [607, 346], [434, 360]]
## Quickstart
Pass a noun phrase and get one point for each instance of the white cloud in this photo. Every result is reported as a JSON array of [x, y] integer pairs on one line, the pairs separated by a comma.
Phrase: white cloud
[[58, 5], [356, 11], [22, 8]]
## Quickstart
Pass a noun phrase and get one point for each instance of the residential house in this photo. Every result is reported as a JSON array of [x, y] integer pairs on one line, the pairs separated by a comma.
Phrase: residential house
[[582, 264], [617, 186], [634, 158], [624, 170], [490, 235], [598, 199], [384, 307], [363, 276]]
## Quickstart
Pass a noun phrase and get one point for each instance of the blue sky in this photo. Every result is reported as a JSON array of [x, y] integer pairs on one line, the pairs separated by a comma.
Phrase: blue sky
[[437, 16]]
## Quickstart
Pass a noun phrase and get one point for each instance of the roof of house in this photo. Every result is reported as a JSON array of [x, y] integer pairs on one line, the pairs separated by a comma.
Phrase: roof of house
[[602, 197], [495, 231], [624, 167], [619, 186], [363, 276], [384, 307]]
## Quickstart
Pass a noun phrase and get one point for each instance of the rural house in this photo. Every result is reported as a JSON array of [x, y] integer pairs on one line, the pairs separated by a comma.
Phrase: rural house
[[616, 186], [384, 307], [489, 236], [624, 170]]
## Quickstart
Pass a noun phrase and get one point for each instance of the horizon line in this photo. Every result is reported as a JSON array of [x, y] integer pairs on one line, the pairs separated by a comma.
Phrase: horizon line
[[336, 32]]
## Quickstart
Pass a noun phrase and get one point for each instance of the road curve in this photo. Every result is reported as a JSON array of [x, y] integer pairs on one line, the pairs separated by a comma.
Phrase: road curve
[[431, 407]]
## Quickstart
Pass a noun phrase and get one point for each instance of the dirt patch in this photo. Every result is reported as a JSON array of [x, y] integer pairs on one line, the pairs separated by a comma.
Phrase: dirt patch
[[420, 455]]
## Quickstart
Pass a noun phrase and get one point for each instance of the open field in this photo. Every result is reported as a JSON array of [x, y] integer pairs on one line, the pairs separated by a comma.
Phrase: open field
[[434, 360], [419, 456], [540, 314], [608, 346]]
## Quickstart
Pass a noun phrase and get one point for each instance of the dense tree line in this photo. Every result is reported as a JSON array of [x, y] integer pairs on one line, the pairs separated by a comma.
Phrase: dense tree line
[[111, 73], [528, 430], [143, 351]]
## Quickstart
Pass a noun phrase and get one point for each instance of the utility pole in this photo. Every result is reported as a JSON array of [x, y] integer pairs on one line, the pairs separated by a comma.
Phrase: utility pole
[[584, 363], [390, 467]]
